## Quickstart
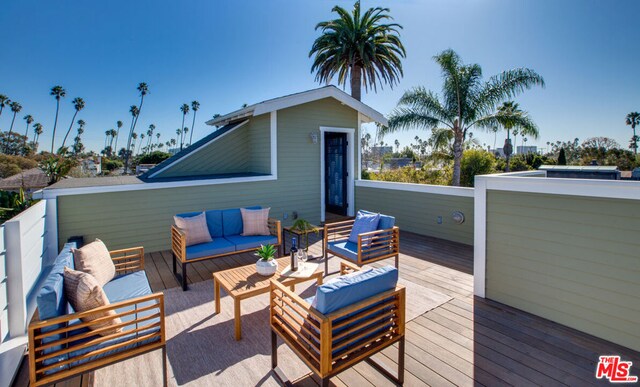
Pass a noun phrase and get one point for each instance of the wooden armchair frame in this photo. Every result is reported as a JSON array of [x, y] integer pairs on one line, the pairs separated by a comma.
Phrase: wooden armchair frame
[[179, 249], [372, 246], [309, 333], [58, 331]]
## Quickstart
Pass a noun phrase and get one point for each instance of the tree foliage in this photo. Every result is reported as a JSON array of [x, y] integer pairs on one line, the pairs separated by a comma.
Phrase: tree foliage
[[475, 162]]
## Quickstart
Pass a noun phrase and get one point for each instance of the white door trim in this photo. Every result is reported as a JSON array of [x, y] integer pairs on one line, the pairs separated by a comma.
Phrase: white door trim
[[350, 168]]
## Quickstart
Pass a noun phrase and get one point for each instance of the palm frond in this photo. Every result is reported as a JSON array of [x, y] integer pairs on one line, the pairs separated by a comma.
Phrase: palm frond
[[504, 86]]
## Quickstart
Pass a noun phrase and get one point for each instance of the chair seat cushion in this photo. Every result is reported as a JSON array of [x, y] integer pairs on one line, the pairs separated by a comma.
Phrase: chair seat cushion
[[345, 249], [215, 247], [250, 242], [128, 286]]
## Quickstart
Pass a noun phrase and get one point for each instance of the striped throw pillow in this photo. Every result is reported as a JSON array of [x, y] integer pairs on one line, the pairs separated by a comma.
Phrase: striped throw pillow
[[95, 259], [84, 294], [195, 228], [255, 222]]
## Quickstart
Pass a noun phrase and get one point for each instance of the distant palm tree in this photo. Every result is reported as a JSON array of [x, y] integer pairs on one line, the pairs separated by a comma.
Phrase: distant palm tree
[[134, 115], [58, 92], [15, 108], [118, 125], [140, 145], [107, 133], [467, 102], [184, 109], [158, 137], [195, 106], [134, 137], [185, 131], [37, 131], [633, 119], [4, 101], [78, 104], [178, 135], [143, 88], [397, 144], [29, 120], [360, 47], [512, 109], [152, 127]]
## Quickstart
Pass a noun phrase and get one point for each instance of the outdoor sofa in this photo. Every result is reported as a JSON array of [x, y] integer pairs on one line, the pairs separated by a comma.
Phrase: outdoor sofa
[[61, 346], [376, 245], [225, 228], [349, 319]]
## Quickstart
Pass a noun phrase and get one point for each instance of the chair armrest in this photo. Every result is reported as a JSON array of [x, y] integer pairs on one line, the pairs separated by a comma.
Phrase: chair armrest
[[179, 243], [378, 243], [275, 228], [128, 260], [348, 267], [338, 230], [61, 340]]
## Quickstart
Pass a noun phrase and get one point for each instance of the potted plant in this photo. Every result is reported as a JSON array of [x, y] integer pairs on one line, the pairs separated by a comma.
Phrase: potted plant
[[304, 227], [266, 265]]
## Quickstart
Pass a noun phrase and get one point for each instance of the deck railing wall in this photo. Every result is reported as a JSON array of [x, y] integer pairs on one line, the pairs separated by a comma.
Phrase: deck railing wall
[[421, 208], [563, 249]]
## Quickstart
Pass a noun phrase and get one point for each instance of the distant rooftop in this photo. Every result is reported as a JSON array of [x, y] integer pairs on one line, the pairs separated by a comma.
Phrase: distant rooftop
[[581, 168], [32, 178]]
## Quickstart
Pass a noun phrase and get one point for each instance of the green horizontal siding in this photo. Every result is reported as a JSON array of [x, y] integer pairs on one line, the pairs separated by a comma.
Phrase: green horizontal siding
[[418, 212], [259, 142], [573, 260], [144, 218]]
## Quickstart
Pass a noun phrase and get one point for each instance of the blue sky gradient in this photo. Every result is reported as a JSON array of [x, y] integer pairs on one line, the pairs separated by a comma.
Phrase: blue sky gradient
[[225, 54]]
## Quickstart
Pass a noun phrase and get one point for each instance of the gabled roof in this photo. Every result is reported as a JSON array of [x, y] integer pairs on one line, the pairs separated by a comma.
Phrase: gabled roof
[[29, 179], [190, 150], [274, 104]]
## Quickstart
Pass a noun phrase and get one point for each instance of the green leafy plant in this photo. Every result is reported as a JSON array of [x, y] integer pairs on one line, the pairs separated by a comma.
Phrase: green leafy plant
[[303, 226], [266, 252], [57, 167]]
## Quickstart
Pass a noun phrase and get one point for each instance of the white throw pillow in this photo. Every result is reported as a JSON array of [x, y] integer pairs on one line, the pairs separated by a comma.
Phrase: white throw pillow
[[255, 222], [195, 228]]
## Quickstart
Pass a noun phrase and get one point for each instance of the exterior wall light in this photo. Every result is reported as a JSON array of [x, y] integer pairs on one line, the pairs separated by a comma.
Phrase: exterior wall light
[[314, 137], [457, 217]]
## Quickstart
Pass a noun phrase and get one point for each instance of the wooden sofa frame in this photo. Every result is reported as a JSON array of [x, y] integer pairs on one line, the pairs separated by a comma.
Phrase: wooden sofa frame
[[125, 261], [309, 333], [372, 246], [179, 250]]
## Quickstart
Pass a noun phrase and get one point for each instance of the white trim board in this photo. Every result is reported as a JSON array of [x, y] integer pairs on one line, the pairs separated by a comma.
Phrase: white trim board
[[423, 188], [274, 143], [181, 159], [53, 193], [350, 169]]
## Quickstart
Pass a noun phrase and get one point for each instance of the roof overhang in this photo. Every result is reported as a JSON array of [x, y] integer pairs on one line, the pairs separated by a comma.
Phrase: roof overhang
[[367, 112]]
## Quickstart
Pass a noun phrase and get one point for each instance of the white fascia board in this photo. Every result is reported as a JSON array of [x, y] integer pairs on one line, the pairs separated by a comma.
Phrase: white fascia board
[[411, 187], [238, 114], [53, 193]]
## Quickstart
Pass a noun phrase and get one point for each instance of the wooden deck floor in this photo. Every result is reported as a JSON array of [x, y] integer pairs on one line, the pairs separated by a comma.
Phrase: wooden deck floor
[[466, 341]]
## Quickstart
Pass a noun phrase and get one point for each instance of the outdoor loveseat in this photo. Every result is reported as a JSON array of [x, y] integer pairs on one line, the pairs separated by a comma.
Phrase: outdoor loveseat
[[350, 318], [62, 346], [381, 243], [225, 228]]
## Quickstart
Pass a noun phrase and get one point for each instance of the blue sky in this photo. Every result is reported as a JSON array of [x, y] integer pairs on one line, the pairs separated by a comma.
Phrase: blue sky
[[227, 53]]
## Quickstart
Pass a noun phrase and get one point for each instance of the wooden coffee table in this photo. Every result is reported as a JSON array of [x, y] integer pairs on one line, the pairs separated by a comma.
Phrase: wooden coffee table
[[244, 282]]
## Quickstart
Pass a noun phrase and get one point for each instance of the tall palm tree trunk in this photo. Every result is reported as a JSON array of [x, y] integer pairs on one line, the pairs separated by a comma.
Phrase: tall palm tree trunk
[[64, 140], [55, 124], [193, 124], [457, 157], [356, 82], [10, 130], [635, 141], [182, 129]]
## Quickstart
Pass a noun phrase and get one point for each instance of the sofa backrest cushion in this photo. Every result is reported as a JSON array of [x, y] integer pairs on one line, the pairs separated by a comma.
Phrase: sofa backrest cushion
[[51, 300], [351, 289], [386, 221], [232, 221], [214, 221]]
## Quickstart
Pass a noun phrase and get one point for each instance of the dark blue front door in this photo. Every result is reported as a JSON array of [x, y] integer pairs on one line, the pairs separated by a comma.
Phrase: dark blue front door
[[336, 173]]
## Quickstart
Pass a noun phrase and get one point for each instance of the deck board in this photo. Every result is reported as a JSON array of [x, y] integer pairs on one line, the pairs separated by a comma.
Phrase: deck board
[[466, 341]]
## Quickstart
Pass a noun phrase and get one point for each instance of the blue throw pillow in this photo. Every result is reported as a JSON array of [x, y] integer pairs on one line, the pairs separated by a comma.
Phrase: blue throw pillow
[[365, 222]]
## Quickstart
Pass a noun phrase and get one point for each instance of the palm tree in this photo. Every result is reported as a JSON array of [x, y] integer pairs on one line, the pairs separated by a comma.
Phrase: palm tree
[[4, 101], [512, 109], [152, 127], [58, 92], [195, 106], [397, 144], [119, 125], [29, 120], [134, 137], [178, 135], [37, 131], [78, 104], [184, 109], [466, 102], [134, 115], [141, 142], [633, 119], [185, 131], [15, 108], [107, 133], [360, 47], [158, 137], [143, 88]]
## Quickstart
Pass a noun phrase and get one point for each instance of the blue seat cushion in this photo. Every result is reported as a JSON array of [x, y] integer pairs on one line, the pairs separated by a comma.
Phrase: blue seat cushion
[[344, 248], [365, 222], [214, 221], [386, 221], [232, 221], [128, 286], [252, 241], [352, 289], [215, 247]]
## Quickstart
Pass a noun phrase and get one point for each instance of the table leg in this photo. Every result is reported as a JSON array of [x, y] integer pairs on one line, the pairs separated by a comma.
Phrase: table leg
[[236, 312], [216, 291], [293, 288], [319, 280]]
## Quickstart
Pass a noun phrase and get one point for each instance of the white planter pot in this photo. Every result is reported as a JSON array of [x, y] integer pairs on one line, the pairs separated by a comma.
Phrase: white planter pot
[[266, 268]]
